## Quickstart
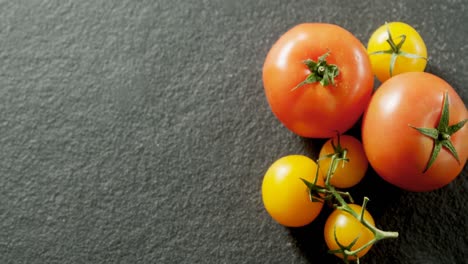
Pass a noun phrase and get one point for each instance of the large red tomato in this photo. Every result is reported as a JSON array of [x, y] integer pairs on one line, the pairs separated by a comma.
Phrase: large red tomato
[[400, 132], [318, 79]]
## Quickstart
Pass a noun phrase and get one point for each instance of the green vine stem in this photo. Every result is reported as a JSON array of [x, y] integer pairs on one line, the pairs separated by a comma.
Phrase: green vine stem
[[329, 192], [378, 233]]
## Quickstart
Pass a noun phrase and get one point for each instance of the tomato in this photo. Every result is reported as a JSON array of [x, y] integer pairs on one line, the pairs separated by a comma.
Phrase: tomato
[[285, 195], [318, 79], [396, 48], [347, 229], [348, 173], [400, 153]]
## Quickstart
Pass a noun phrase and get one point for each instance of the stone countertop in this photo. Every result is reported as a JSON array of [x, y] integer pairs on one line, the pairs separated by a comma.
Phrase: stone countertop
[[139, 132]]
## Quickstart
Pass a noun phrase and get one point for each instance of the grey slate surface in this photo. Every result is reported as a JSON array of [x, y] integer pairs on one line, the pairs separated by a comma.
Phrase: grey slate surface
[[138, 132]]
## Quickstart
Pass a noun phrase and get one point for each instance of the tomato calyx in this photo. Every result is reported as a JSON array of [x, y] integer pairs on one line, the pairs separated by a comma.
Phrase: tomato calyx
[[395, 50], [320, 71], [441, 135]]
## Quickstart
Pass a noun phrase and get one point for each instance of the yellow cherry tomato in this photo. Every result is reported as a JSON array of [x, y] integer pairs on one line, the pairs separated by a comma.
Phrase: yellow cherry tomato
[[396, 48], [348, 173], [285, 195], [347, 229]]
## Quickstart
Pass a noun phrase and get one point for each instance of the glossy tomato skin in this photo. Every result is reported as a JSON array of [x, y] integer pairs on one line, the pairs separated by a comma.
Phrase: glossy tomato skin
[[399, 153], [314, 110], [349, 173], [413, 44], [347, 229], [284, 194]]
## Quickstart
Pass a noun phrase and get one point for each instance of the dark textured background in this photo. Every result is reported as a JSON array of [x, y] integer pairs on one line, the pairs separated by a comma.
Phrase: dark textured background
[[138, 132]]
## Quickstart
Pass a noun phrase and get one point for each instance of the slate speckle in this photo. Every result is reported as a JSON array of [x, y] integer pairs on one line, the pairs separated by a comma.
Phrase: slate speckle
[[138, 132]]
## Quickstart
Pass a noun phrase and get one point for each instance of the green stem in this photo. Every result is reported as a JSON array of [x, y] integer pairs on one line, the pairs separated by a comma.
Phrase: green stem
[[442, 133], [330, 192], [378, 234]]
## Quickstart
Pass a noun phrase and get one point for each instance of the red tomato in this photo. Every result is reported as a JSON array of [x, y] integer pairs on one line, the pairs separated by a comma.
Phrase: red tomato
[[397, 151], [316, 110]]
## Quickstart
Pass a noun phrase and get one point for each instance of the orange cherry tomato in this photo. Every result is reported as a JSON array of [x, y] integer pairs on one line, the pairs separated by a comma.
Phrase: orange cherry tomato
[[348, 173], [347, 229]]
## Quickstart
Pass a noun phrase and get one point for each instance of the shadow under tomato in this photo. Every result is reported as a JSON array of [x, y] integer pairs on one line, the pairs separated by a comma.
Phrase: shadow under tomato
[[309, 240], [312, 146], [381, 194]]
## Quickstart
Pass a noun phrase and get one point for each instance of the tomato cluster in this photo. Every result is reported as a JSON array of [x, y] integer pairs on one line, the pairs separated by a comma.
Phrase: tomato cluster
[[318, 80]]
